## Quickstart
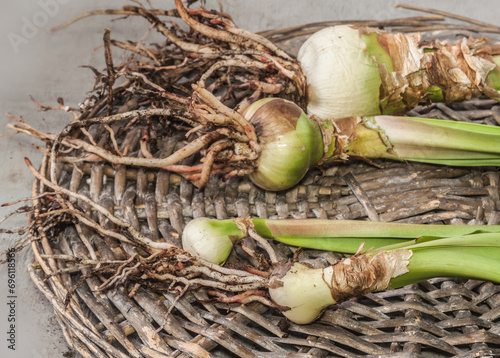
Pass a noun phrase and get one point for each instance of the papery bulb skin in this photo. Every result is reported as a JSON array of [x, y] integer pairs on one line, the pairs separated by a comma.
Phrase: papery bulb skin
[[291, 143], [343, 79]]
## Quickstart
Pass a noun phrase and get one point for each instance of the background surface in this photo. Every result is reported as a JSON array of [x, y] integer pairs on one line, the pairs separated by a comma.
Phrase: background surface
[[44, 64]]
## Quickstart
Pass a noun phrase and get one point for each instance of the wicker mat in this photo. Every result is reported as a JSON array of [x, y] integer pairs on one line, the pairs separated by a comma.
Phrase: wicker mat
[[441, 317], [437, 318]]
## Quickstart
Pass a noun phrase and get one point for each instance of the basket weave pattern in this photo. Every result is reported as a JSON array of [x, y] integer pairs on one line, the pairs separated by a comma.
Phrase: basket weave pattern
[[443, 317]]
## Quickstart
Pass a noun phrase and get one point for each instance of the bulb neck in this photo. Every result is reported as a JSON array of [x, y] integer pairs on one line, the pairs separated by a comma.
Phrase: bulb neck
[[351, 137], [412, 72], [304, 292], [336, 135]]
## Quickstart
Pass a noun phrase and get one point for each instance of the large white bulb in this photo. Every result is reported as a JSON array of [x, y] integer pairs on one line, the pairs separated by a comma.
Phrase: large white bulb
[[343, 80]]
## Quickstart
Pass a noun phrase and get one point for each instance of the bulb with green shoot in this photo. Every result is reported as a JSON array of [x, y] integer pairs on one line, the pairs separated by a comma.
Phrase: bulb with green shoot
[[358, 80], [292, 142], [304, 292], [212, 239], [396, 255], [360, 71]]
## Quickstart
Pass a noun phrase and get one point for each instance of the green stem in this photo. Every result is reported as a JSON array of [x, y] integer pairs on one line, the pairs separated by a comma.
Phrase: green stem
[[471, 256], [422, 139], [316, 228], [292, 143], [448, 262], [212, 239], [306, 291], [346, 244]]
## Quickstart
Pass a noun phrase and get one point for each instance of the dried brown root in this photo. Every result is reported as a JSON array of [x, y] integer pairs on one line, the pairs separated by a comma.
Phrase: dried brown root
[[180, 82], [138, 237], [164, 268], [124, 12], [244, 298], [184, 152], [168, 268], [265, 244], [213, 151], [485, 26]]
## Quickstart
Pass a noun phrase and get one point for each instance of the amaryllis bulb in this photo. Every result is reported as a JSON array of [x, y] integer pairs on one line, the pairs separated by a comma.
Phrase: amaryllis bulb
[[291, 143], [362, 71], [211, 240], [303, 292], [343, 80]]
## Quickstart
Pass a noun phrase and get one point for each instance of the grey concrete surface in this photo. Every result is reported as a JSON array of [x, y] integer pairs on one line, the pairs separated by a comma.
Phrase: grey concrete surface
[[35, 61]]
